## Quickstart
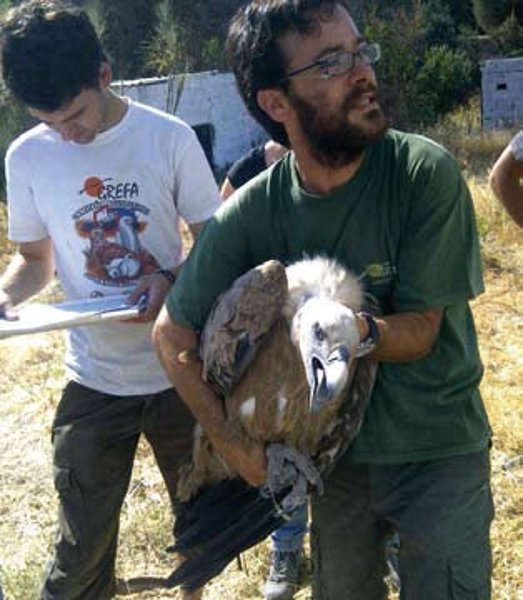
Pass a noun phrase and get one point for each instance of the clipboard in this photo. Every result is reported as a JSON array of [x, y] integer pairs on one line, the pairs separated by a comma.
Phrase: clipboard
[[37, 317]]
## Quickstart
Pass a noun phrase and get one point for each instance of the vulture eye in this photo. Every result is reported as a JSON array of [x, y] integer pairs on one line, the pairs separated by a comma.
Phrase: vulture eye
[[319, 333]]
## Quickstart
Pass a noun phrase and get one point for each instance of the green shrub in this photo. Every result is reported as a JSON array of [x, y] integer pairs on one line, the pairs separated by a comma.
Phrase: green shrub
[[421, 80], [508, 37], [13, 119], [444, 80], [439, 28]]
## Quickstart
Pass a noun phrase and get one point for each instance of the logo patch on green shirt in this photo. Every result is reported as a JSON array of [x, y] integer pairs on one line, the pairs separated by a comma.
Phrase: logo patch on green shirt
[[380, 273]]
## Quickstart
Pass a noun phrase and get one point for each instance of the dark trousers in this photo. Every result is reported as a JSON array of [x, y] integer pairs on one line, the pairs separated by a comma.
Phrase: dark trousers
[[442, 510], [95, 436]]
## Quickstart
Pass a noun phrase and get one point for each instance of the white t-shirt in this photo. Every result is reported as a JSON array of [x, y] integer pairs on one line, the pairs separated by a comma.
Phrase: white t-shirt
[[111, 209]]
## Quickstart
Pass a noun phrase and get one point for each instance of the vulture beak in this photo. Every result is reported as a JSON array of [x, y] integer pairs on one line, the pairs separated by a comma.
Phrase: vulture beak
[[327, 377]]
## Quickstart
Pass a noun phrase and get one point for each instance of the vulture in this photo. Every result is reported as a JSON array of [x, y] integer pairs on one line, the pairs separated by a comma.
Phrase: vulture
[[281, 348]]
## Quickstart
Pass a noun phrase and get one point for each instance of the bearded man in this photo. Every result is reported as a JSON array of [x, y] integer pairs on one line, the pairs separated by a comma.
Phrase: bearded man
[[393, 208]]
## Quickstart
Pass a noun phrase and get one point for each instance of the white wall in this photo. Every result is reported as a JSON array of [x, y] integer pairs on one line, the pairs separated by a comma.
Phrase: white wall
[[200, 98], [502, 93]]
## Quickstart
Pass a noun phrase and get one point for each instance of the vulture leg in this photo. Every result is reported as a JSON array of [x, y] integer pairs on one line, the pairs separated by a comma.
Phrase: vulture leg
[[291, 471]]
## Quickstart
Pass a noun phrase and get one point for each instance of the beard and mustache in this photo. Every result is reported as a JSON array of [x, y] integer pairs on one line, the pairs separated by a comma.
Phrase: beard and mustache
[[333, 140]]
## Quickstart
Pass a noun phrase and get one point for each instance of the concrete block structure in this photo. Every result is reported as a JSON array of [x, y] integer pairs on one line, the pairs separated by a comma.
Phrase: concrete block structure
[[502, 93]]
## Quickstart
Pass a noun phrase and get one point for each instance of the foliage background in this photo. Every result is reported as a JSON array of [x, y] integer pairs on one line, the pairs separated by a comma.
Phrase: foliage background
[[432, 49]]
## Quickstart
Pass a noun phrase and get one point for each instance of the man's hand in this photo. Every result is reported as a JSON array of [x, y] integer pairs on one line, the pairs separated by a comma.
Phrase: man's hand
[[247, 457], [7, 311], [154, 288]]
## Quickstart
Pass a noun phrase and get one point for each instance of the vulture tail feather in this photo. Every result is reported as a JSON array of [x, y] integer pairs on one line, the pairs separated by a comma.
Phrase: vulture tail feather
[[213, 508], [208, 543]]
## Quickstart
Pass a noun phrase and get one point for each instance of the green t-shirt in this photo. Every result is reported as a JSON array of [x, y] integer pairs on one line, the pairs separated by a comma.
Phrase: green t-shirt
[[405, 223]]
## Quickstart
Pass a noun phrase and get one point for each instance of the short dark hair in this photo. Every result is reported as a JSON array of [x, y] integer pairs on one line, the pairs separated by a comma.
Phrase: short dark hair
[[50, 53], [254, 54]]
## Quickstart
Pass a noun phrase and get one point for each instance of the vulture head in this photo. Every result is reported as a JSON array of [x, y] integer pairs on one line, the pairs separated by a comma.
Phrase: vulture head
[[326, 336]]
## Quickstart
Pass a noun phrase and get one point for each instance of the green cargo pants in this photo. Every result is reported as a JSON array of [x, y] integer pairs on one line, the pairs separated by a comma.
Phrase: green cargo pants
[[95, 436], [442, 510]]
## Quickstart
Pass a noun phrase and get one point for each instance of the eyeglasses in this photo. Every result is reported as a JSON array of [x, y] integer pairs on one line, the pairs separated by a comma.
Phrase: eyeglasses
[[338, 64]]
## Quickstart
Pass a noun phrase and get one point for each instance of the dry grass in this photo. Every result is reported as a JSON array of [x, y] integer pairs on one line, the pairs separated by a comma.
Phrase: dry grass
[[30, 383]]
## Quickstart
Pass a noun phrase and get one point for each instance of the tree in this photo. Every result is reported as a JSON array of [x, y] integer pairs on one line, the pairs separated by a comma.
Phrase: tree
[[438, 25], [202, 28], [492, 13], [444, 81], [509, 37], [401, 44], [462, 13], [423, 73], [126, 25]]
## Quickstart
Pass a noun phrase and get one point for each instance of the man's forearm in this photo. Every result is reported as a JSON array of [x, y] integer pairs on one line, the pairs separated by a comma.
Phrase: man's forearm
[[178, 351], [405, 337], [25, 277], [510, 193], [184, 368], [505, 182]]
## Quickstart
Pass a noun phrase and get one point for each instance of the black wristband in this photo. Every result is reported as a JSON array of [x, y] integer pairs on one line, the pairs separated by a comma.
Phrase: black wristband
[[369, 343], [169, 275]]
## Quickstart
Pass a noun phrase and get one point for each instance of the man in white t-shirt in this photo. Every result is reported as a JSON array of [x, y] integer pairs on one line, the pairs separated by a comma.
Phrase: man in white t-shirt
[[95, 193]]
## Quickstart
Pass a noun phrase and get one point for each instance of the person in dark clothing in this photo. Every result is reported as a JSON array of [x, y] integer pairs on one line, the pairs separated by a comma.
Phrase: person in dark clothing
[[255, 161]]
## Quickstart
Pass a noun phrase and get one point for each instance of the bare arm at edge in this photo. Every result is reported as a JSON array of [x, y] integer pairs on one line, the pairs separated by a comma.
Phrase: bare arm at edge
[[28, 272], [505, 182]]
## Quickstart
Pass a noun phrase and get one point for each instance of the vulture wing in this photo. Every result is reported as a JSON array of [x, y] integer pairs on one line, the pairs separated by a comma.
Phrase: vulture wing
[[279, 347], [239, 321]]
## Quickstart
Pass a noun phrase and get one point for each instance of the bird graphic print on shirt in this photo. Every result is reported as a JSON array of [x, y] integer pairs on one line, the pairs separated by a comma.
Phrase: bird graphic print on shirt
[[113, 223]]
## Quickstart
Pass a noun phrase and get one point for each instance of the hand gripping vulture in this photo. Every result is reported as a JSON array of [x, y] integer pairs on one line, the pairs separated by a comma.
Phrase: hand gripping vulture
[[281, 348]]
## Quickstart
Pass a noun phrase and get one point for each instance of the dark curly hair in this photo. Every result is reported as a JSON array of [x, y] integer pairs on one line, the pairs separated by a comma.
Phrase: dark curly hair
[[50, 53], [254, 54]]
